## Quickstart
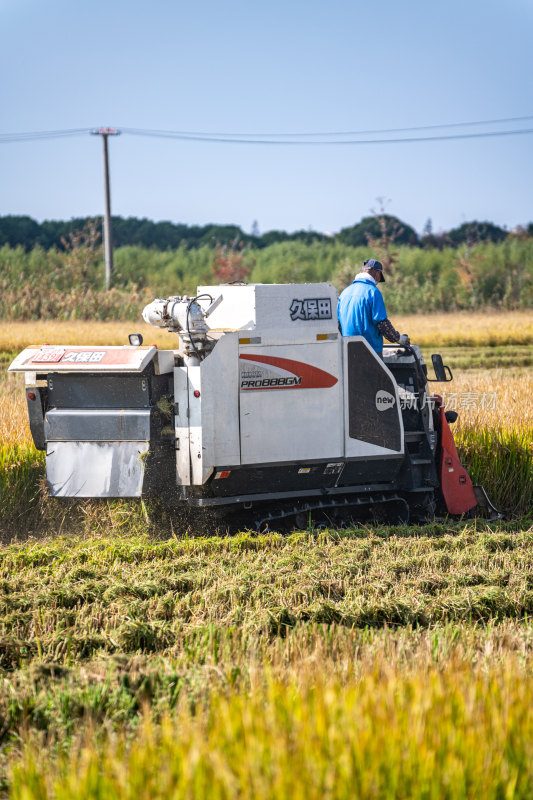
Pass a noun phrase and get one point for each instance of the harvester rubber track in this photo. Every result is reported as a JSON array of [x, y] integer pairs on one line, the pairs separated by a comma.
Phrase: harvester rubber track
[[302, 512]]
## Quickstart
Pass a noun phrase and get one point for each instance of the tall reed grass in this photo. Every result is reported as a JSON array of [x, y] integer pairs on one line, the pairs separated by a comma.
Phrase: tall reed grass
[[48, 284]]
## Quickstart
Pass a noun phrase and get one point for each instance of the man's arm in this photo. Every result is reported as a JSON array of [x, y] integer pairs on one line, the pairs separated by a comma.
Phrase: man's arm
[[384, 324], [387, 330]]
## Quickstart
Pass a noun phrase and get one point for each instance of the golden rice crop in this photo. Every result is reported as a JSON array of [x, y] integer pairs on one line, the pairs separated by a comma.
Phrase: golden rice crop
[[322, 664], [95, 628], [268, 666], [496, 398], [14, 426], [15, 336], [456, 733], [462, 329], [468, 328]]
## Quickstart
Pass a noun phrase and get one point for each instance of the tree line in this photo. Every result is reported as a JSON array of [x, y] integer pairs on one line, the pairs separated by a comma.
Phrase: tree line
[[26, 232]]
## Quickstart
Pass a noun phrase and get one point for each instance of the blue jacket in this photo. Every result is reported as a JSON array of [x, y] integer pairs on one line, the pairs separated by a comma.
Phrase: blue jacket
[[359, 310]]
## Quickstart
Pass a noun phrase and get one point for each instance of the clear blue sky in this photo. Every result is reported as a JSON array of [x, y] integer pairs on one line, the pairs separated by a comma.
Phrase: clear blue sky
[[267, 67]]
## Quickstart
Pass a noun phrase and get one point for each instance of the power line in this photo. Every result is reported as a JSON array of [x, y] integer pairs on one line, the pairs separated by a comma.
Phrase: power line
[[7, 138], [330, 142], [28, 136], [356, 133]]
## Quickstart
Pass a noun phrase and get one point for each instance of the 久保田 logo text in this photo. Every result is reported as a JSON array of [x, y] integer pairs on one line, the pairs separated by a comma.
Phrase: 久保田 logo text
[[315, 308], [56, 354]]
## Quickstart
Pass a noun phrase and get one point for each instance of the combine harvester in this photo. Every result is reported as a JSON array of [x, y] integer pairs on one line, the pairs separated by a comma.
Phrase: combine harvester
[[263, 413]]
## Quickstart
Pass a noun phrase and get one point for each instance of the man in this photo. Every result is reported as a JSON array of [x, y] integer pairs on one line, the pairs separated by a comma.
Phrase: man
[[361, 310]]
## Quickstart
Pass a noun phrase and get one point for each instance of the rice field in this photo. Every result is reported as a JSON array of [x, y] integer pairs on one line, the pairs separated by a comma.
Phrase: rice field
[[140, 659], [425, 734], [468, 329], [454, 329], [495, 398], [494, 432], [376, 663]]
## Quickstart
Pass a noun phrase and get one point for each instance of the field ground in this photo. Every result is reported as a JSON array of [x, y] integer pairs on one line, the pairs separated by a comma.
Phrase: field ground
[[266, 666], [138, 660]]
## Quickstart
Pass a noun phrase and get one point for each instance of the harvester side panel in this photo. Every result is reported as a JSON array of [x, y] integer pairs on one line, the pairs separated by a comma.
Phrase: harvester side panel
[[181, 422], [372, 414], [290, 401], [200, 468], [207, 414], [220, 404], [279, 313]]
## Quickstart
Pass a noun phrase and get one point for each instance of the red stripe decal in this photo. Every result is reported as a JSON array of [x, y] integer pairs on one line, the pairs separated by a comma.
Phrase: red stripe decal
[[312, 377]]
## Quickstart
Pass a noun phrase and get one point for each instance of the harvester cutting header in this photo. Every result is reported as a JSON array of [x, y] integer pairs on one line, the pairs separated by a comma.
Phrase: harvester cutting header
[[262, 410]]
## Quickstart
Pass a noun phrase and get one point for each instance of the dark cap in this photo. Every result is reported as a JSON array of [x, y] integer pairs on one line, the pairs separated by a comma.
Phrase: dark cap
[[373, 263]]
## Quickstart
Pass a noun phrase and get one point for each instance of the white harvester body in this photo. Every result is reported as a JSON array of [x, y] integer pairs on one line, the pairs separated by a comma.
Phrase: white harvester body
[[274, 389], [261, 401]]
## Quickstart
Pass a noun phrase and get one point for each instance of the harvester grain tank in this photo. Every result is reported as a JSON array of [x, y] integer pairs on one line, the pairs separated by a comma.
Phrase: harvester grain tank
[[262, 409]]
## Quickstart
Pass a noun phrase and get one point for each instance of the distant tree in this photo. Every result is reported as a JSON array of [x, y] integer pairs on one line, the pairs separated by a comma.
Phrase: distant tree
[[53, 230], [228, 235], [273, 237], [476, 232], [166, 235], [21, 230], [357, 235]]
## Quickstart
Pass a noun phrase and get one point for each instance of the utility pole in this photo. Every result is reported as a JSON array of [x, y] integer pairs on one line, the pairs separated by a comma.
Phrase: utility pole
[[108, 233]]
